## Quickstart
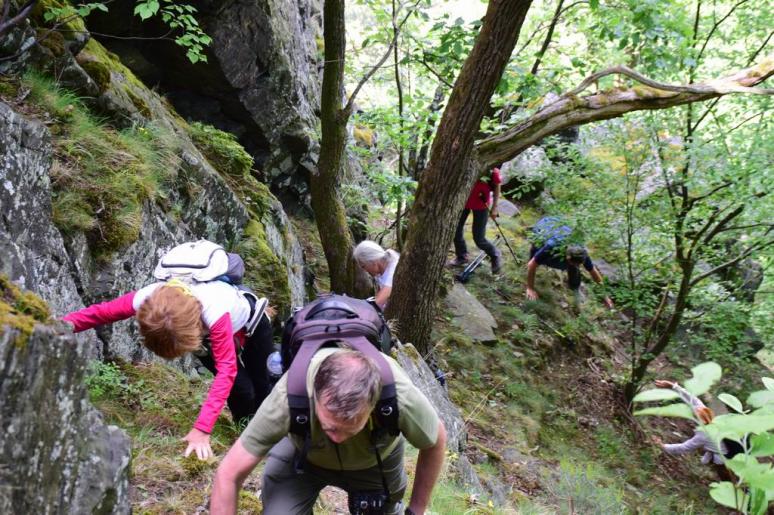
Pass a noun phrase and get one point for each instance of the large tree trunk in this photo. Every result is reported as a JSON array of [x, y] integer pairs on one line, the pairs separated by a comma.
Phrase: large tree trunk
[[329, 212], [447, 180]]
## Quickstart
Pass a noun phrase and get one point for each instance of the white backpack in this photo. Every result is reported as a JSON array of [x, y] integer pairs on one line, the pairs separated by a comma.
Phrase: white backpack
[[202, 261], [198, 262]]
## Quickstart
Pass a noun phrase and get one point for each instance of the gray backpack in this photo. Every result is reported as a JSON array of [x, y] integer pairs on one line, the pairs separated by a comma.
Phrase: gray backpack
[[332, 320]]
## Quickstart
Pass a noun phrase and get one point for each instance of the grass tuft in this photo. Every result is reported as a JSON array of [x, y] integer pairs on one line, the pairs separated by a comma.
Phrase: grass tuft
[[101, 176]]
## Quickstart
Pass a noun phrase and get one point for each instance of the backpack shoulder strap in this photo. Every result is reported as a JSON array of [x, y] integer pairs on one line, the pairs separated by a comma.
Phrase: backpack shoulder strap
[[386, 410]]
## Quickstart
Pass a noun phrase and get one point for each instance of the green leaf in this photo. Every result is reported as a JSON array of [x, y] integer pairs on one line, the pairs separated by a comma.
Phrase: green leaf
[[737, 426], [760, 398], [755, 473], [704, 376], [594, 4], [762, 445], [759, 501], [768, 382], [725, 493], [679, 410], [143, 11], [658, 394], [732, 402]]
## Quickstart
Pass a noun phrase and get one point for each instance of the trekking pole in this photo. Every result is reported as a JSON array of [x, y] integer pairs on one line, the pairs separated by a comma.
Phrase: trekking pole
[[468, 271], [505, 239]]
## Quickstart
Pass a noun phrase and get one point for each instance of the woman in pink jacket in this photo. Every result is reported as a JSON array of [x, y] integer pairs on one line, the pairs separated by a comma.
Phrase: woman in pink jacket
[[209, 320]]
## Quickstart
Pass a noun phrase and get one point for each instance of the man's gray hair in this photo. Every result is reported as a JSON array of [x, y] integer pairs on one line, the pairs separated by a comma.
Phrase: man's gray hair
[[368, 251], [347, 383]]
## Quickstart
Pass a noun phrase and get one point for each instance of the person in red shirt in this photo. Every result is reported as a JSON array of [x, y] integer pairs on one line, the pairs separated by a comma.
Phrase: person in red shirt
[[486, 190]]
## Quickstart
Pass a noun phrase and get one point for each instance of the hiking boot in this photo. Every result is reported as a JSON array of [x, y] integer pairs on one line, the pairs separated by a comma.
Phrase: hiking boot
[[458, 261], [497, 263]]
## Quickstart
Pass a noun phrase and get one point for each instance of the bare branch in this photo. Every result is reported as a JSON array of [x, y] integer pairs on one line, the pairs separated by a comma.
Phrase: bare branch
[[708, 224], [694, 200], [749, 250], [437, 75], [712, 87], [755, 54], [24, 11], [715, 27], [570, 110], [548, 38], [748, 226], [704, 114], [396, 34]]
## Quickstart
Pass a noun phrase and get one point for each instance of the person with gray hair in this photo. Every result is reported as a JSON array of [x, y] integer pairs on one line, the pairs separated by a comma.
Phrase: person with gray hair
[[380, 264], [345, 447]]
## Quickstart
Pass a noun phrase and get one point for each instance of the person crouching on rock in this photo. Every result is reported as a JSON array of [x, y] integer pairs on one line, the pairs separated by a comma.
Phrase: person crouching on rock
[[380, 264], [212, 320]]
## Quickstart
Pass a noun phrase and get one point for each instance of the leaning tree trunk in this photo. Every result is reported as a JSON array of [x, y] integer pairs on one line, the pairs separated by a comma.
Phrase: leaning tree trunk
[[447, 180], [329, 212]]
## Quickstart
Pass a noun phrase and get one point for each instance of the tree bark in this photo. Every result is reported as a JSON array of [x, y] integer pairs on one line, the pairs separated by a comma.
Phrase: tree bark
[[448, 178], [329, 211], [571, 109]]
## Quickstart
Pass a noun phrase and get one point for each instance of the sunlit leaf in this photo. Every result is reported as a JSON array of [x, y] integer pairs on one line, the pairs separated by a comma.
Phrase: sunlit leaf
[[761, 398], [658, 394], [753, 472], [679, 410], [762, 445], [732, 402], [726, 494], [737, 426], [704, 376]]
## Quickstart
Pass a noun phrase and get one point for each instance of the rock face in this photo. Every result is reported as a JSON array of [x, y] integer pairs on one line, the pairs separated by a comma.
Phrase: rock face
[[64, 269], [58, 456], [261, 81]]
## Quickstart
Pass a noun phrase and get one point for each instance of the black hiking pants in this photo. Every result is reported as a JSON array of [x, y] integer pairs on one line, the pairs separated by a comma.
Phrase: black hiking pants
[[480, 219], [573, 272], [251, 385]]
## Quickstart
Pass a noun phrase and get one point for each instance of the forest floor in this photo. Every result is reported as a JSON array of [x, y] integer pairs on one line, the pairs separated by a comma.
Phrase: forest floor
[[547, 430]]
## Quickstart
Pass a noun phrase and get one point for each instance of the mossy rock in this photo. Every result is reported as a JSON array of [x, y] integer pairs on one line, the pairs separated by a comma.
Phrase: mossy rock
[[265, 272], [20, 310], [222, 150], [52, 40], [68, 24], [100, 64], [9, 88], [138, 102]]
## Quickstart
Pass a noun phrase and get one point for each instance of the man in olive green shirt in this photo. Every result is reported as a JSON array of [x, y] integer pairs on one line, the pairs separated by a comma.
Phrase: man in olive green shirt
[[344, 386]]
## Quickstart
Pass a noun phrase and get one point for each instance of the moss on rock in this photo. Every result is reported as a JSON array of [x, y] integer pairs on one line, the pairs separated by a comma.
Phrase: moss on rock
[[264, 270], [20, 310], [222, 150], [52, 40], [67, 21], [138, 102]]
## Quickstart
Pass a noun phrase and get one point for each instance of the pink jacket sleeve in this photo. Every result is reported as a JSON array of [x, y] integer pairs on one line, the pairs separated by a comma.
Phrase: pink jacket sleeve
[[103, 313], [224, 354]]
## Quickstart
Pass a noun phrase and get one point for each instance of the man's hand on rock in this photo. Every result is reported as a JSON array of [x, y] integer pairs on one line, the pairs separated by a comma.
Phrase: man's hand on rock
[[532, 294]]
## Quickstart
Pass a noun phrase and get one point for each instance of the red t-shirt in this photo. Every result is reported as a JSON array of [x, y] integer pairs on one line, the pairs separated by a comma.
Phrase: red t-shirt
[[482, 191]]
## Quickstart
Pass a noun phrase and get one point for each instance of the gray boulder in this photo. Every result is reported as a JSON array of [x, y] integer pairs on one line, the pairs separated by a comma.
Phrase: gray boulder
[[470, 316], [58, 456]]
